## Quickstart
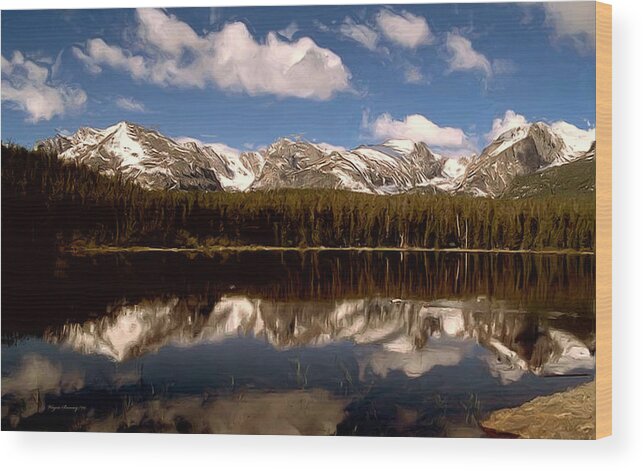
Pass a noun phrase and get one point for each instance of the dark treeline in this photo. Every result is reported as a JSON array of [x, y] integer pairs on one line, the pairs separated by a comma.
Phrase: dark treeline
[[53, 289], [45, 200]]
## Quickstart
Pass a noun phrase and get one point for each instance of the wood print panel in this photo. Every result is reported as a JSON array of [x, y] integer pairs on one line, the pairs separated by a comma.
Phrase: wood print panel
[[384, 220]]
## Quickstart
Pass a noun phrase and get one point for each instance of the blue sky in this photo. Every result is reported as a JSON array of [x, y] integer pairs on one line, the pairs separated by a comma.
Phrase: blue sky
[[344, 75]]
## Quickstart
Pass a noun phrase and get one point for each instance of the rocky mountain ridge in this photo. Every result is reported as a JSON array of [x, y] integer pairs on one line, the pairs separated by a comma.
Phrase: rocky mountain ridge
[[396, 166]]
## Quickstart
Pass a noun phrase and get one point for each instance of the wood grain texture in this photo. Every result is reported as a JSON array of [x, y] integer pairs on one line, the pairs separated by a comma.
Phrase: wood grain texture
[[603, 220]]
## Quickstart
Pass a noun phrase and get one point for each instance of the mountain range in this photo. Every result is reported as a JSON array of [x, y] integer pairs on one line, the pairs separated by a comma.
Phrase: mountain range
[[155, 161]]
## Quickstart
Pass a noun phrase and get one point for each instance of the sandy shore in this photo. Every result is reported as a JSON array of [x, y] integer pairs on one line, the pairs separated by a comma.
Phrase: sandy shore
[[566, 415]]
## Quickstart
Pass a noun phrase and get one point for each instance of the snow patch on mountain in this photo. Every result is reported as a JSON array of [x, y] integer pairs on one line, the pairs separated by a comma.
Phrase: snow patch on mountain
[[402, 145], [141, 155], [577, 141], [509, 138], [521, 151], [395, 166], [454, 168]]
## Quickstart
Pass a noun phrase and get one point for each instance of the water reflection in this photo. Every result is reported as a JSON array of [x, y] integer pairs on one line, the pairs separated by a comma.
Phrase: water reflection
[[314, 412], [385, 346], [43, 290], [406, 332]]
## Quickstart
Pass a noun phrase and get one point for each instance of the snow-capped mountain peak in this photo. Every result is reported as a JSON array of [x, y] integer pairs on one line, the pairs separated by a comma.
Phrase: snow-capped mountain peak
[[155, 161], [388, 168], [142, 155], [524, 150], [577, 141], [509, 138], [402, 145]]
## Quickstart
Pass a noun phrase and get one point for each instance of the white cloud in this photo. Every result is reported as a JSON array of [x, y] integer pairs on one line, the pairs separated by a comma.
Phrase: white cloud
[[418, 129], [289, 31], [130, 104], [324, 28], [500, 125], [90, 63], [56, 66], [363, 34], [168, 52], [166, 32], [29, 87], [573, 22], [404, 28], [98, 53], [464, 57], [301, 69]]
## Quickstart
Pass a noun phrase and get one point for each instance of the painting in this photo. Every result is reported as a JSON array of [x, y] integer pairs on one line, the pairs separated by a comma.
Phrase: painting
[[371, 220]]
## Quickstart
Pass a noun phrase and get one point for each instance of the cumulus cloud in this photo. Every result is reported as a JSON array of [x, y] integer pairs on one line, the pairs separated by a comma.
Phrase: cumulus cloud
[[130, 104], [417, 128], [98, 53], [168, 52], [573, 23], [500, 125], [166, 32], [30, 88], [361, 33], [463, 57], [404, 28]]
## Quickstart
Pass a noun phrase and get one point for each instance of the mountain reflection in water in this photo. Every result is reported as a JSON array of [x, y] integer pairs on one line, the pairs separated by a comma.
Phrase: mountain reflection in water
[[403, 329], [386, 344]]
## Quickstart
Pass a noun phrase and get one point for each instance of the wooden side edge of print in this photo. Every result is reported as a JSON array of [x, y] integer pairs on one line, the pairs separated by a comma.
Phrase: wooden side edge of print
[[603, 220]]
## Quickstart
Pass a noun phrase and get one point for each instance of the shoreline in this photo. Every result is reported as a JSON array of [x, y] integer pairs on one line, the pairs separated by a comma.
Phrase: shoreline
[[568, 415], [261, 248]]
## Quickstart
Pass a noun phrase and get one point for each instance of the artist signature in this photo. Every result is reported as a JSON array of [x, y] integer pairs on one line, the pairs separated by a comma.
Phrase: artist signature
[[65, 407]]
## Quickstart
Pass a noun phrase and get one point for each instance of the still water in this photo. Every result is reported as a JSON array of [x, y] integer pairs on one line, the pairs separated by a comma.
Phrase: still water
[[347, 343]]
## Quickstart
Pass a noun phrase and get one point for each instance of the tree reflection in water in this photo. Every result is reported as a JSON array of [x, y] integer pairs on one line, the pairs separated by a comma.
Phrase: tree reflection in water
[[313, 343]]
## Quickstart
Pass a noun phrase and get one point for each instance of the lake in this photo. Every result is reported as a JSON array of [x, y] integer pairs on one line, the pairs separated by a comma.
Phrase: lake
[[346, 343]]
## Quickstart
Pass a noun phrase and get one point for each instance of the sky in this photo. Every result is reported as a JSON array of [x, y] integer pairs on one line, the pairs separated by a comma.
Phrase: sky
[[451, 75]]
